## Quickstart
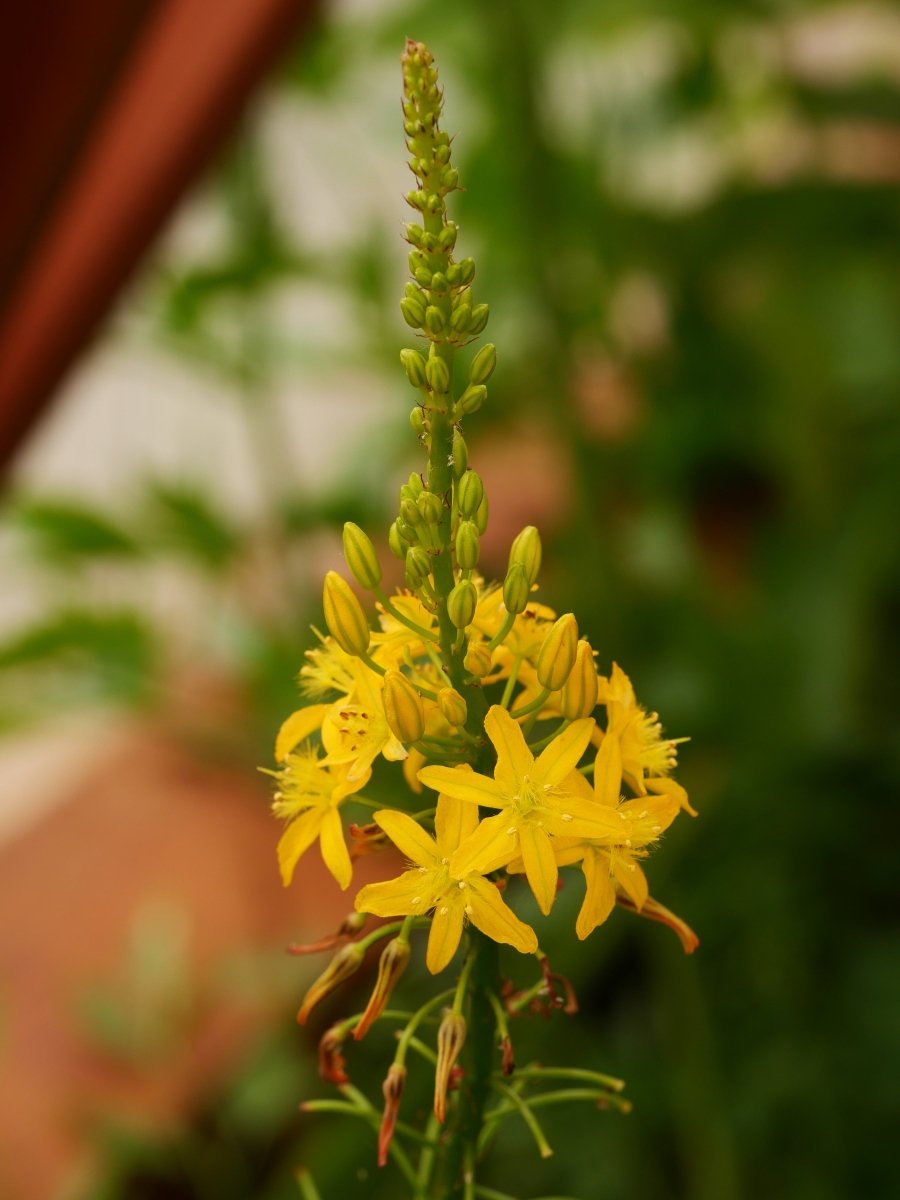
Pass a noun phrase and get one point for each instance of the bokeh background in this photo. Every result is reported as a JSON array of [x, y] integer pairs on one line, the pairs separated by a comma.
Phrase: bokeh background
[[686, 220]]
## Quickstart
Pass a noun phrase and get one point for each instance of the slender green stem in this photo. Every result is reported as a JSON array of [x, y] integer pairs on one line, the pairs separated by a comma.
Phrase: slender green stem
[[578, 1073], [427, 1154], [522, 1107], [502, 631], [535, 705], [425, 634], [511, 682], [544, 742], [409, 1031]]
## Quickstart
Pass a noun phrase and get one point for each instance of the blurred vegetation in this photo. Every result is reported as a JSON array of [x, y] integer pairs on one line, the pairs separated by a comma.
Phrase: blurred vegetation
[[686, 220]]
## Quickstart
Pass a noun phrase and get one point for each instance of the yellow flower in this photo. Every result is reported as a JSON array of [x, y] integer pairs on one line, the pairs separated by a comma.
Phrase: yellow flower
[[608, 867], [330, 669], [309, 796], [644, 749], [433, 884], [390, 645], [355, 731], [539, 798]]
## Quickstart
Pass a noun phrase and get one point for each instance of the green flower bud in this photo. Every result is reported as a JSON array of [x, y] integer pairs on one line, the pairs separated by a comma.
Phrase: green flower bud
[[417, 420], [483, 364], [397, 542], [435, 204], [407, 532], [462, 315], [423, 276], [453, 706], [469, 494], [556, 657], [467, 540], [409, 512], [461, 603], [418, 566], [442, 154], [479, 318], [415, 484], [516, 589], [403, 708], [430, 508], [466, 270], [480, 517], [434, 320], [438, 374], [460, 454], [417, 199], [472, 399], [447, 236], [578, 697], [413, 312], [526, 549], [449, 179], [414, 234], [361, 557], [439, 283], [344, 615], [414, 366], [453, 278], [478, 659], [416, 259]]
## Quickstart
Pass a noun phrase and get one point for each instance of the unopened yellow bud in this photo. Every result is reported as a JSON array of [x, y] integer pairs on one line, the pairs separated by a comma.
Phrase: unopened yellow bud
[[413, 312], [344, 615], [461, 603], [397, 542], [483, 364], [403, 708], [578, 697], [391, 965], [516, 590], [466, 270], [430, 508], [481, 516], [344, 964], [361, 557], [469, 494], [460, 454], [556, 656], [467, 540], [434, 320], [478, 659], [453, 707], [438, 375], [460, 318], [526, 549], [450, 1041], [418, 566], [414, 366], [479, 318]]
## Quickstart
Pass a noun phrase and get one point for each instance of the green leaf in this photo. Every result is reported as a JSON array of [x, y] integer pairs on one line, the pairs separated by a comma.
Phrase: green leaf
[[188, 522], [65, 529]]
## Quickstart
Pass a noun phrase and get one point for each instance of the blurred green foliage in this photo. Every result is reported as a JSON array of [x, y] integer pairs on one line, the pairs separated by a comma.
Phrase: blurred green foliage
[[687, 223]]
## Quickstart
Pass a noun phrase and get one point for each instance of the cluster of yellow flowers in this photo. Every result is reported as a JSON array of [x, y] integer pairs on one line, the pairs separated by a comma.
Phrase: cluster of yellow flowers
[[392, 701]]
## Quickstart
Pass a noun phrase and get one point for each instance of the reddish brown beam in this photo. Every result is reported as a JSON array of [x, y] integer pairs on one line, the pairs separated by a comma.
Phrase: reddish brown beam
[[189, 74]]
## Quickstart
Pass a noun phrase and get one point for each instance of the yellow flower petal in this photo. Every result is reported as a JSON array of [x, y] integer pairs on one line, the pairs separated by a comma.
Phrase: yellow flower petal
[[608, 771], [297, 727], [408, 836], [490, 913], [408, 895], [563, 753], [667, 786], [573, 817], [296, 840], [540, 864], [334, 848], [599, 896], [446, 930], [465, 785], [494, 843], [633, 882], [514, 759], [454, 821]]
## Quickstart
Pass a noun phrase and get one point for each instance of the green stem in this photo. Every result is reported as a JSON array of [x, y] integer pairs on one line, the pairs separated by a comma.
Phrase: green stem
[[395, 612]]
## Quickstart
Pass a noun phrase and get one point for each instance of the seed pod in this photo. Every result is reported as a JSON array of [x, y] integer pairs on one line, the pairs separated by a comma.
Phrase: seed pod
[[418, 567], [414, 366], [467, 540], [469, 493], [460, 454], [556, 656], [483, 364], [526, 549], [461, 603], [516, 589], [578, 697], [438, 374], [472, 399], [403, 708], [360, 556], [344, 615], [479, 318], [453, 707], [478, 659]]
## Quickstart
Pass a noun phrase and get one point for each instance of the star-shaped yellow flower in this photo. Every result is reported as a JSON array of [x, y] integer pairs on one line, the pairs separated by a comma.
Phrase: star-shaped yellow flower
[[540, 799], [433, 884], [606, 866], [309, 796], [644, 749], [355, 731]]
